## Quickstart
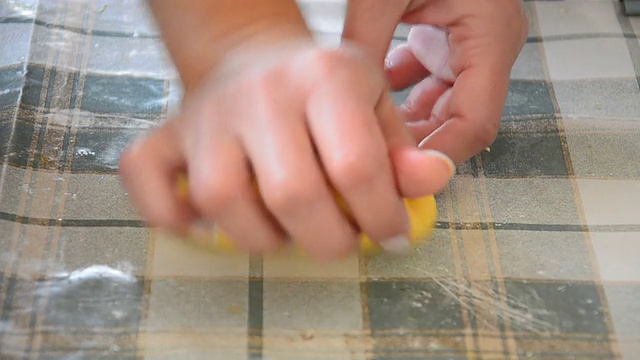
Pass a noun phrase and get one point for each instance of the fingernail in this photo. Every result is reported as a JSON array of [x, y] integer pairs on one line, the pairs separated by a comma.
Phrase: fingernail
[[387, 64], [395, 56], [447, 74], [445, 158], [396, 245]]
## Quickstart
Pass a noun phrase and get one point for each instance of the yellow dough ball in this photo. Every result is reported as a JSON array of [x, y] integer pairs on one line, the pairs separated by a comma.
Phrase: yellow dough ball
[[422, 216]]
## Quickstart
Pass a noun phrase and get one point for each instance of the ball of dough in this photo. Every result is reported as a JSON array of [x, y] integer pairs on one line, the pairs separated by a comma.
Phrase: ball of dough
[[422, 216]]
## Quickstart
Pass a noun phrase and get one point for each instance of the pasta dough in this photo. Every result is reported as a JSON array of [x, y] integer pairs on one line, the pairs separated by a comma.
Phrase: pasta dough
[[422, 215]]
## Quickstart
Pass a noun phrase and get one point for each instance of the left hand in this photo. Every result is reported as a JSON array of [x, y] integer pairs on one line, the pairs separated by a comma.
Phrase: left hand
[[459, 56]]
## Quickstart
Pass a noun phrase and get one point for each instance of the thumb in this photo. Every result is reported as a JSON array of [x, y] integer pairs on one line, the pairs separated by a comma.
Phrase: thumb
[[417, 172], [421, 172]]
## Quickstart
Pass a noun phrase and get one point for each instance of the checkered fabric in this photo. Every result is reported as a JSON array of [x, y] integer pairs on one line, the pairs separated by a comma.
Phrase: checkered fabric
[[536, 254]]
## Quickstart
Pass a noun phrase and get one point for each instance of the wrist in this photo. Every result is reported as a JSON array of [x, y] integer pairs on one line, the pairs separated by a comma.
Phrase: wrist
[[201, 34], [252, 44]]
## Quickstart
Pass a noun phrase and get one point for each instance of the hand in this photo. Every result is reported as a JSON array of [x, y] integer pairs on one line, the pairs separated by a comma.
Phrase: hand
[[459, 56], [300, 120]]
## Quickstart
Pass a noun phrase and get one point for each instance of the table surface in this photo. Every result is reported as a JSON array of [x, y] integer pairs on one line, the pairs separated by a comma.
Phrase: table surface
[[535, 255]]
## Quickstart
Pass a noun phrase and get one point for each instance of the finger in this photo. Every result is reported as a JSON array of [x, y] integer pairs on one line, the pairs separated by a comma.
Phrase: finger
[[403, 69], [422, 98], [149, 170], [473, 114], [422, 128], [437, 117], [294, 188], [430, 46], [392, 124], [223, 192], [355, 155], [417, 172], [422, 172], [373, 39]]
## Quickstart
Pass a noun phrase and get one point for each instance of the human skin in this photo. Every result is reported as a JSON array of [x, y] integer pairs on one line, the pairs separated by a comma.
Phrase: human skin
[[459, 56], [264, 103]]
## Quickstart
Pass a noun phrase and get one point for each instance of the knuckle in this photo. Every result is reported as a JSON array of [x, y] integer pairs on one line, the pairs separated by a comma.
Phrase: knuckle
[[259, 95], [332, 66], [353, 170], [288, 194], [325, 59], [487, 132], [258, 85], [263, 85], [215, 196], [330, 63]]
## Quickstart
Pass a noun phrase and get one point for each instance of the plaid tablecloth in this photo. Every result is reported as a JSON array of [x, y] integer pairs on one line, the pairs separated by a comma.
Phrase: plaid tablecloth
[[536, 254]]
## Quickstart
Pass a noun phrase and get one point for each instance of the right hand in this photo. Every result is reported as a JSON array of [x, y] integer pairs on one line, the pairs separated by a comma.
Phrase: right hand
[[299, 120]]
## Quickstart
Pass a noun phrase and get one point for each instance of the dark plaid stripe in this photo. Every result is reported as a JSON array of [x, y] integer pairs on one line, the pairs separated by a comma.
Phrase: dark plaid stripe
[[71, 222], [255, 311], [628, 34], [439, 225]]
